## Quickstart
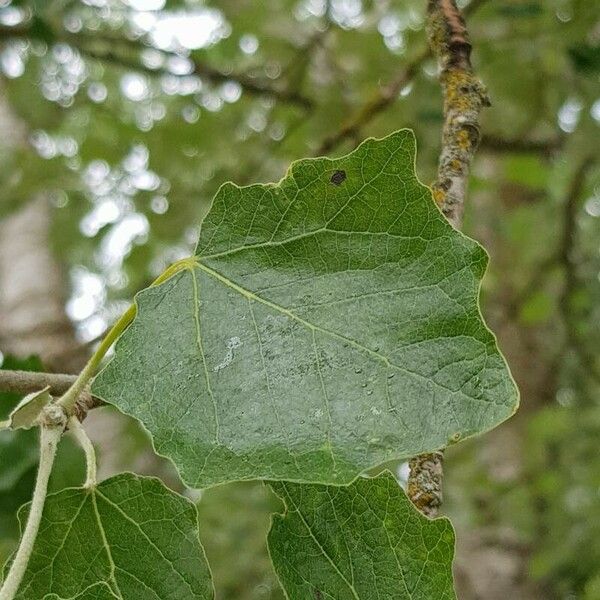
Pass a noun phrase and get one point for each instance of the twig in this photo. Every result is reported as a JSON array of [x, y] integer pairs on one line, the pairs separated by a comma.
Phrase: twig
[[383, 98], [255, 169], [464, 97], [494, 143], [569, 264], [109, 54], [51, 432], [249, 84], [570, 221], [533, 284], [253, 86], [26, 382]]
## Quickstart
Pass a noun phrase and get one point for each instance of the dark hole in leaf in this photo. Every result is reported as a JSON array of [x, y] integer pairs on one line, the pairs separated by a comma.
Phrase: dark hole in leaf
[[338, 177]]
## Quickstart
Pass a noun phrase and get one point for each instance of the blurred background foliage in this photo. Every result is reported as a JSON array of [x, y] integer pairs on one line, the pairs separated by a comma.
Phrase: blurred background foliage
[[127, 115]]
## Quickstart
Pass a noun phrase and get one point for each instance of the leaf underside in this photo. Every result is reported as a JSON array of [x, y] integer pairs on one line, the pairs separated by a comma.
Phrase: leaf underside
[[361, 542], [330, 323], [128, 538]]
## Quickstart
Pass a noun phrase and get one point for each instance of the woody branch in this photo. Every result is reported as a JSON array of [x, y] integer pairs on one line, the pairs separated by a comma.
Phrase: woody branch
[[464, 97]]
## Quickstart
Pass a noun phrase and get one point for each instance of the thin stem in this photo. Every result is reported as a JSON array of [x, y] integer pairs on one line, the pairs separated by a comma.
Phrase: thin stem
[[26, 382], [50, 436], [69, 399], [84, 441], [384, 97]]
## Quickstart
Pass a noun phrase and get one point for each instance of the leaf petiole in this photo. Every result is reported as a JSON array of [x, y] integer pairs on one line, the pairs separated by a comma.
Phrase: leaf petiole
[[69, 398], [52, 425], [84, 441], [49, 438]]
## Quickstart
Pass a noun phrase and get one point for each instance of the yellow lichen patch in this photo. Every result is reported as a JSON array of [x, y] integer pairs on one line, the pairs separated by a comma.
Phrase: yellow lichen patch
[[437, 33], [439, 196], [464, 140], [456, 81]]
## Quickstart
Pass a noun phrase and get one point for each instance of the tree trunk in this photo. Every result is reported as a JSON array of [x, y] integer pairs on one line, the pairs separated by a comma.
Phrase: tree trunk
[[32, 282], [32, 292]]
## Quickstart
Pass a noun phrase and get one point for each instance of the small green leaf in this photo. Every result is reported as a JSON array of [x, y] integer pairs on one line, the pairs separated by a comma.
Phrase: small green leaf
[[329, 323], [130, 533], [25, 415], [8, 401], [585, 58], [361, 542]]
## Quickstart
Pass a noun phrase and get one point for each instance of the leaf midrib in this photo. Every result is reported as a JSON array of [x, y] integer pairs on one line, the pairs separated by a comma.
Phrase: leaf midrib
[[133, 522], [106, 545], [375, 354], [319, 545]]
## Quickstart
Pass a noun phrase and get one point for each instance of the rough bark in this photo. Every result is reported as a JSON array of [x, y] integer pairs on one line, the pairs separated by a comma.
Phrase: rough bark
[[425, 482], [464, 97]]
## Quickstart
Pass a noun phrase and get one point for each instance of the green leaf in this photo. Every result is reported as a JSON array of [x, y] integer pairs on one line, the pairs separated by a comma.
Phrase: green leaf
[[330, 323], [585, 58], [99, 591], [130, 533], [8, 401], [361, 542], [25, 415], [18, 453], [521, 10]]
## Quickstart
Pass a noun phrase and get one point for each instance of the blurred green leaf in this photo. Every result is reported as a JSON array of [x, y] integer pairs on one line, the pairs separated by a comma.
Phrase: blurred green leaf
[[519, 9], [19, 458], [585, 58], [537, 309]]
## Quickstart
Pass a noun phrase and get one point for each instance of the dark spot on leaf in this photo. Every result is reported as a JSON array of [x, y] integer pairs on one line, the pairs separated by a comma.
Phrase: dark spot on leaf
[[338, 177], [318, 595]]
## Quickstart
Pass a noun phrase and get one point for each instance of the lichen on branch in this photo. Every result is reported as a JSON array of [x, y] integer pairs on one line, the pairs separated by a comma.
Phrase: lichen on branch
[[425, 482], [464, 98]]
